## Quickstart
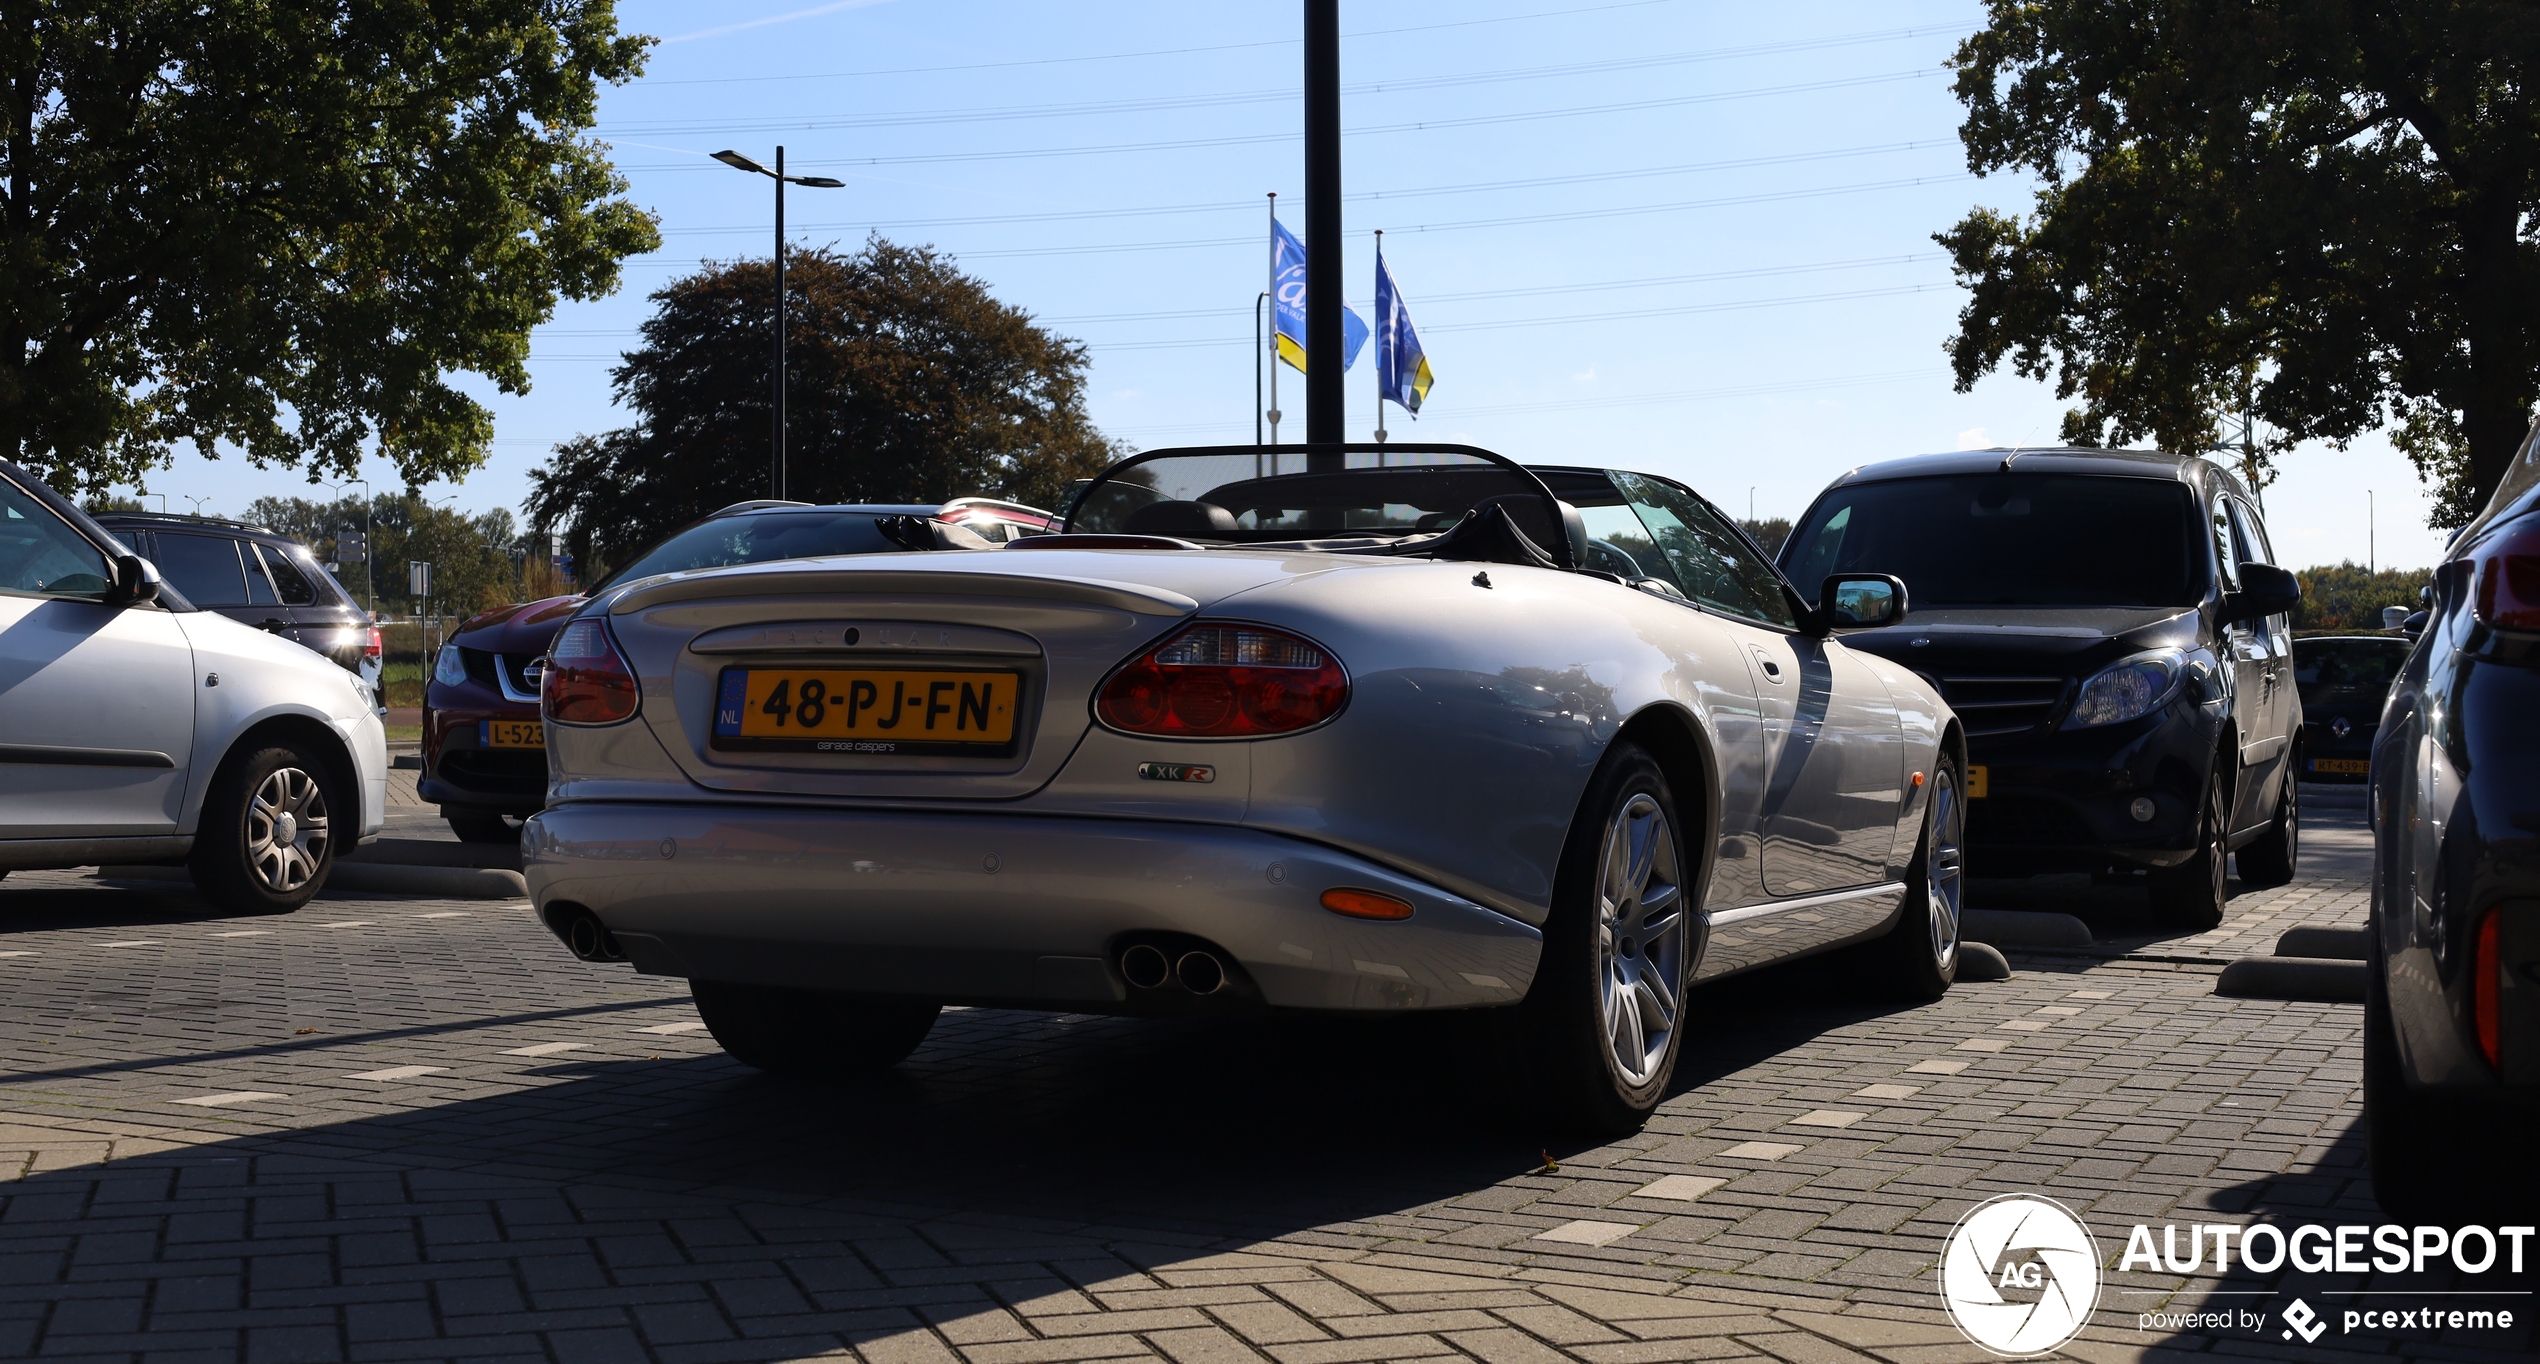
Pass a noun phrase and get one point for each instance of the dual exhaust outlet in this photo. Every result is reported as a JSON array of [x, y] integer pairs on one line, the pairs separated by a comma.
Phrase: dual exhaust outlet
[[1148, 968], [590, 939]]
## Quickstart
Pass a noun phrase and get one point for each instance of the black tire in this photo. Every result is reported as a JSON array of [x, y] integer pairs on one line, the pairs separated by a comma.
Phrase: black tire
[[472, 827], [1607, 981], [812, 1033], [1918, 958], [266, 841], [2192, 896], [2269, 859]]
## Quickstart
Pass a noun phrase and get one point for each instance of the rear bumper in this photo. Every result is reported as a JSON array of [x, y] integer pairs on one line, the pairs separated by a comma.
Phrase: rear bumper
[[998, 909]]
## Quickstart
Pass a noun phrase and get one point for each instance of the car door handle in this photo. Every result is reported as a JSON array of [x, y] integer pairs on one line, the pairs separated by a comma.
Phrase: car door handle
[[277, 626]]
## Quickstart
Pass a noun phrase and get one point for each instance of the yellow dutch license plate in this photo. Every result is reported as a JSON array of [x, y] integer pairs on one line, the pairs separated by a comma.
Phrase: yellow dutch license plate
[[1975, 782], [2354, 766], [511, 734], [867, 710]]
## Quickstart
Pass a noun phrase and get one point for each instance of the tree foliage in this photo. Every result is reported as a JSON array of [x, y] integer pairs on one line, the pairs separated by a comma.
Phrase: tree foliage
[[2313, 211], [284, 225], [907, 382], [479, 559], [2346, 598]]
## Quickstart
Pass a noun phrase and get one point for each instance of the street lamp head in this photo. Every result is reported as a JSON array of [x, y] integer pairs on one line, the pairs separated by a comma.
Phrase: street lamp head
[[819, 182], [739, 162]]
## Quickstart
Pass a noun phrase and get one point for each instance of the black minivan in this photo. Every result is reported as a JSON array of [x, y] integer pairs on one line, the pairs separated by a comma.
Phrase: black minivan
[[2110, 627]]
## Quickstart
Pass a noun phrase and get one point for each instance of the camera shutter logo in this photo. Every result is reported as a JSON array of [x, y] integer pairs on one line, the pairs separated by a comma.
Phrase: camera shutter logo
[[2030, 1246]]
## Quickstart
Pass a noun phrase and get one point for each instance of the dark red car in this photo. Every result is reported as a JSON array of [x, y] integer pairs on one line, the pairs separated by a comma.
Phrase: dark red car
[[484, 748]]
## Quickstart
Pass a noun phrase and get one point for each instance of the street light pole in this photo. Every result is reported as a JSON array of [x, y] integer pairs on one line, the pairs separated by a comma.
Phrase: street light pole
[[776, 444]]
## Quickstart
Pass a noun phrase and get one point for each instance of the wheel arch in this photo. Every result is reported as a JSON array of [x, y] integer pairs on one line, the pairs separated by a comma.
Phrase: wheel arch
[[1684, 752], [312, 735]]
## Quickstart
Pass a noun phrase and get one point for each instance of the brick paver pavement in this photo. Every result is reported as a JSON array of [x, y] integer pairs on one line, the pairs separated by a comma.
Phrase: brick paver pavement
[[404, 1129]]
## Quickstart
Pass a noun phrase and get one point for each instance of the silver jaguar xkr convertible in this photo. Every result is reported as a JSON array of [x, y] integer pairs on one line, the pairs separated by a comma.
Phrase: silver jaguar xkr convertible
[[1366, 728]]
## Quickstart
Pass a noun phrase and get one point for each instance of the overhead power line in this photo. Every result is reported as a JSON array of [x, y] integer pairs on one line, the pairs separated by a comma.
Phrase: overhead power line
[[1425, 125], [1253, 206], [1148, 104], [1653, 399], [1156, 52]]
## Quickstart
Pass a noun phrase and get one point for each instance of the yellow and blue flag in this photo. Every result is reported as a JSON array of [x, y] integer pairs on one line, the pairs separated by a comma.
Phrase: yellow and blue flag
[[1287, 267], [1402, 368]]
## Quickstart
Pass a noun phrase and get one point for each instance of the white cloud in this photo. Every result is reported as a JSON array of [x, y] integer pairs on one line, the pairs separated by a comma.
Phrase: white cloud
[[1974, 438], [1587, 376]]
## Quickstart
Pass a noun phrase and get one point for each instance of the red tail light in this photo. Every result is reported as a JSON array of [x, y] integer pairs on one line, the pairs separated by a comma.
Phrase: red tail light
[[370, 646], [2509, 579], [1225, 682], [588, 682], [2486, 987]]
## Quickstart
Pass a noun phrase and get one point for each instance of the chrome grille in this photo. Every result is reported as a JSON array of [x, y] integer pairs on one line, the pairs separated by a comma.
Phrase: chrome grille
[[521, 674], [1994, 707]]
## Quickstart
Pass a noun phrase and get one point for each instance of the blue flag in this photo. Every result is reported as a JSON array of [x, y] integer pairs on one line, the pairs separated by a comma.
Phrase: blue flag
[[1288, 303], [1402, 368]]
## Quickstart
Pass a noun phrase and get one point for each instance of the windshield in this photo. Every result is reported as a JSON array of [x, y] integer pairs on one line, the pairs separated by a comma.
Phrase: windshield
[[2326, 670], [755, 538], [1252, 497], [2010, 540]]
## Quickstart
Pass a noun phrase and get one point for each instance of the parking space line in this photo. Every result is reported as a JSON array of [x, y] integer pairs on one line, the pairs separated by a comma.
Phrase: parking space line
[[137, 942], [445, 914], [398, 1073], [247, 933], [1682, 1188], [237, 1097], [347, 923], [1588, 1233], [1760, 1150], [548, 1048], [21, 954], [1935, 1067], [1827, 1117], [667, 1029], [1888, 1092], [1984, 1044]]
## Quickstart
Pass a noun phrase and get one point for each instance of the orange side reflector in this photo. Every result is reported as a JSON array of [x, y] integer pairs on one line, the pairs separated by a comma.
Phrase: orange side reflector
[[1365, 904], [1918, 781]]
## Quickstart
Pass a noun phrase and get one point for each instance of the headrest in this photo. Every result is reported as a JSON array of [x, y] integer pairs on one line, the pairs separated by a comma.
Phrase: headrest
[[1181, 518]]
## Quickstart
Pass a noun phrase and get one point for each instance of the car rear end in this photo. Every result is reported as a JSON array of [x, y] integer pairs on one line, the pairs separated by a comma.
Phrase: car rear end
[[2344, 682], [1018, 778], [2452, 1038]]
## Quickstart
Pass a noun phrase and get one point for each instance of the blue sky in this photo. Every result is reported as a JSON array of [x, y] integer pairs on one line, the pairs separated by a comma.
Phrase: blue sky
[[1674, 235]]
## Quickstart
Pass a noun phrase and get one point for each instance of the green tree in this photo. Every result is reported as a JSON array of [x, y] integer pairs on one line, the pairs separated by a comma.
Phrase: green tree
[[478, 559], [283, 225], [2309, 212], [2346, 599], [908, 382]]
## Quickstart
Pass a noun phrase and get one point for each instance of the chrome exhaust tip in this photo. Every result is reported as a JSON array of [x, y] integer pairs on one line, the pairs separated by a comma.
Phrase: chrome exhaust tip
[[591, 940], [1146, 967], [1200, 973]]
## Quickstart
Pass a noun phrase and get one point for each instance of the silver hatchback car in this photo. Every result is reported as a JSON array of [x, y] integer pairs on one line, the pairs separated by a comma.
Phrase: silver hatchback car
[[1371, 729]]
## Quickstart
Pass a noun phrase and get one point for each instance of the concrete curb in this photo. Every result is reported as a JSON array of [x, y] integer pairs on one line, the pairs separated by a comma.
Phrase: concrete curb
[[444, 883], [2023, 928], [2316, 980], [2330, 944], [1980, 961]]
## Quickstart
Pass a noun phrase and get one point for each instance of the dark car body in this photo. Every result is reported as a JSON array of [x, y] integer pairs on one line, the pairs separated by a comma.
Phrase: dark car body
[[484, 750], [2035, 577], [257, 577], [2452, 1004], [2344, 681]]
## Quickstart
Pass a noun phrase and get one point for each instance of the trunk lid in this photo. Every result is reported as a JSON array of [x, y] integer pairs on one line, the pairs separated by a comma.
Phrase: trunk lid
[[1042, 627]]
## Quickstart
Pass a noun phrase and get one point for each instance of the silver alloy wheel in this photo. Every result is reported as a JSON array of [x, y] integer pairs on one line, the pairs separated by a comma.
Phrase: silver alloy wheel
[[1640, 938], [286, 830], [1945, 866]]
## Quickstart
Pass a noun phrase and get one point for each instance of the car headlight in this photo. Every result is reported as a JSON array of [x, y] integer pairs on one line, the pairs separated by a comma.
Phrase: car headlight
[[450, 670], [2127, 689]]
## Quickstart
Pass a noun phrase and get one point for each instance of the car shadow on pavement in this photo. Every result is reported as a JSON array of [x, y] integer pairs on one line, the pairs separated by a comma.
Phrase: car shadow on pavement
[[41, 908]]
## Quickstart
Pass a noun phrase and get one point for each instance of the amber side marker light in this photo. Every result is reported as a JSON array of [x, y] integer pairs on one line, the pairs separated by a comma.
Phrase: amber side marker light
[[1365, 904]]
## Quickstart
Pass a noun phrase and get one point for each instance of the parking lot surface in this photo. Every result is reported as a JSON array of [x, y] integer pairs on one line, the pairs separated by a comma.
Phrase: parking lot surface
[[406, 1129]]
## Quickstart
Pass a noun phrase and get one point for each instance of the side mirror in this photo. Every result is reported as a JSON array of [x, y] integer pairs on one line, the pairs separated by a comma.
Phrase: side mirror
[[2414, 625], [136, 581], [1860, 601], [2265, 590]]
